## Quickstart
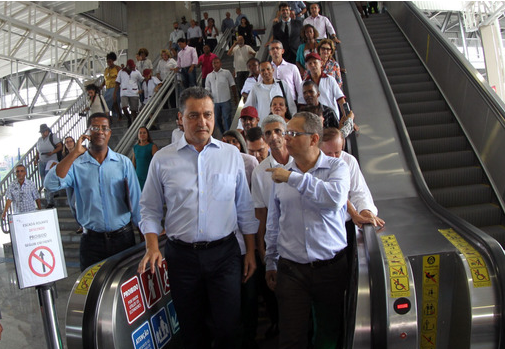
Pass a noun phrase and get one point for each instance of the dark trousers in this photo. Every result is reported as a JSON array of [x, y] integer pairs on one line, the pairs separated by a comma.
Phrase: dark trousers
[[96, 247], [188, 79], [205, 286], [301, 287], [240, 80], [249, 308]]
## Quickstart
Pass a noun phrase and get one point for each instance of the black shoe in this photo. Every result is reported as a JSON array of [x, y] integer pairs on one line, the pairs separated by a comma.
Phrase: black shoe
[[272, 331], [50, 206], [79, 231]]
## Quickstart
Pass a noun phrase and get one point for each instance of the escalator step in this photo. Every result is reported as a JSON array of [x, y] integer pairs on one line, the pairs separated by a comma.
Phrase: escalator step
[[390, 44], [438, 161], [421, 96], [418, 69], [464, 195], [440, 145], [434, 131], [422, 107], [393, 51], [410, 62], [418, 119], [453, 177], [398, 57], [481, 215], [414, 87], [389, 36], [404, 79], [497, 232]]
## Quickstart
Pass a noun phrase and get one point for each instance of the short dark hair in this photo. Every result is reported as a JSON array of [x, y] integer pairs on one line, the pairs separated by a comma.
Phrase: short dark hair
[[98, 115], [143, 50], [93, 87], [254, 133], [253, 59], [284, 4], [111, 55], [310, 83], [332, 133], [193, 92], [181, 40], [20, 165]]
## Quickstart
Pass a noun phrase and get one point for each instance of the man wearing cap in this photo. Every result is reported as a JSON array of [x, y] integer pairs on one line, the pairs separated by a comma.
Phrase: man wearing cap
[[150, 86], [107, 193], [248, 119], [48, 146], [128, 81], [175, 36], [218, 83], [241, 54], [331, 94], [23, 193], [187, 59], [306, 238]]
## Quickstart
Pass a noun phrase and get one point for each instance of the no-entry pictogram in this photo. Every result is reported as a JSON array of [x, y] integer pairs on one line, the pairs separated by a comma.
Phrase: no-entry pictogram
[[42, 261]]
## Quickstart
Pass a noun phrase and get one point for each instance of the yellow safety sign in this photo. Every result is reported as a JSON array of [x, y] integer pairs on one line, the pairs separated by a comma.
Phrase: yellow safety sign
[[429, 304], [398, 272], [87, 279], [476, 263]]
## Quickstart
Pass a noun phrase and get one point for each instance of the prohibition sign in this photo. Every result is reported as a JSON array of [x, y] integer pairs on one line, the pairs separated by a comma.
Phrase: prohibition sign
[[47, 268]]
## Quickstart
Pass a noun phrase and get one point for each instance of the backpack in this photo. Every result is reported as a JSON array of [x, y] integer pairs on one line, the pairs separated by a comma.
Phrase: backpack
[[58, 154]]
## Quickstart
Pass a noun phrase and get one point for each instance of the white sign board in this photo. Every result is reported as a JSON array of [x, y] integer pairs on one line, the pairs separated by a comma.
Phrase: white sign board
[[38, 253]]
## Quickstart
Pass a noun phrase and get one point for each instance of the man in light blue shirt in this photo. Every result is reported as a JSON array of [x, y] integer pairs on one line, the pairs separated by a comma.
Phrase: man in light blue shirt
[[203, 184], [306, 237], [107, 193]]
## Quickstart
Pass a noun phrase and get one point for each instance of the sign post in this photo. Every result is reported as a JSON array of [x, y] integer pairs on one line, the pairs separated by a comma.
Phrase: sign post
[[39, 261]]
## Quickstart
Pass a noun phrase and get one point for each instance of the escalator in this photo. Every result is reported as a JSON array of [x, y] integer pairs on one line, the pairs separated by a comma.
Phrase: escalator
[[447, 161]]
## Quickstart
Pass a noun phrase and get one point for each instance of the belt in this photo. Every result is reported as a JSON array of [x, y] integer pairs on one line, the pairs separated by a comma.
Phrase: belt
[[201, 245], [107, 234], [319, 264]]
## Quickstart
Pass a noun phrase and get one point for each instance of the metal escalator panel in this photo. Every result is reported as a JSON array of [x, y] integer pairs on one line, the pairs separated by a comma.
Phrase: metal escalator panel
[[113, 306], [449, 166]]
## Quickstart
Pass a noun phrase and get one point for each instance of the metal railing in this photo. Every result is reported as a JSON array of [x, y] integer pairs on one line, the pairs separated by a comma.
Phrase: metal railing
[[70, 123]]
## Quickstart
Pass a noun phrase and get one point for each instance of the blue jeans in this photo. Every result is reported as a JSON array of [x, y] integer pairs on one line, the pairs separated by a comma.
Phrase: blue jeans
[[188, 79], [222, 112]]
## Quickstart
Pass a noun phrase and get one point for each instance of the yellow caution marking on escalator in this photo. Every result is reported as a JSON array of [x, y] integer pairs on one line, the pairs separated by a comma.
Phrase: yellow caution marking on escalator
[[429, 310], [398, 272], [427, 48], [87, 279], [476, 263]]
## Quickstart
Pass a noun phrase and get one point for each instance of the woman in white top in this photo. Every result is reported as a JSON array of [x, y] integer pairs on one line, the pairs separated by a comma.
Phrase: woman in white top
[[165, 65], [211, 34]]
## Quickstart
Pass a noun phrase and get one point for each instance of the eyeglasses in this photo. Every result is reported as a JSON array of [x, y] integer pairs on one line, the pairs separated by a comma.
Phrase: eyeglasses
[[325, 48], [296, 134], [95, 129], [277, 131], [275, 48]]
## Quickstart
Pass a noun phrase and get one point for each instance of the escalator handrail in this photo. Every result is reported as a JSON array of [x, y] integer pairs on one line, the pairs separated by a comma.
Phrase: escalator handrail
[[487, 244]]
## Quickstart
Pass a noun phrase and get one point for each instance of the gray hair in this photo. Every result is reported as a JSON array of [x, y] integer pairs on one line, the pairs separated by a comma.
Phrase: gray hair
[[275, 42], [312, 123], [270, 119], [193, 92]]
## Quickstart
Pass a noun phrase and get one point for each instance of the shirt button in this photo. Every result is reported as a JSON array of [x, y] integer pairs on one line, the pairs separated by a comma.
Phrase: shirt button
[[306, 228]]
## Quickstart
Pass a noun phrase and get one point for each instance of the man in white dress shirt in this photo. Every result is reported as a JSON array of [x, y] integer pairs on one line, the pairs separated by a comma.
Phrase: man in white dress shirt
[[321, 23], [218, 83]]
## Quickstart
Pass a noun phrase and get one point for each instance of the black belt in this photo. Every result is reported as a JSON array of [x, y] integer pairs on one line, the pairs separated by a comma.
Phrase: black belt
[[201, 245], [107, 234], [319, 264]]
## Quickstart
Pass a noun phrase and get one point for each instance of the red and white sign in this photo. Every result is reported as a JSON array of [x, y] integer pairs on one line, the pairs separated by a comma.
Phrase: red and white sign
[[132, 299], [165, 283], [151, 287], [41, 261]]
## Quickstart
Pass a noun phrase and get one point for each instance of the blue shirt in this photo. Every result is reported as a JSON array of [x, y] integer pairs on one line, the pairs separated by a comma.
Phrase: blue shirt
[[206, 193], [104, 192], [306, 215]]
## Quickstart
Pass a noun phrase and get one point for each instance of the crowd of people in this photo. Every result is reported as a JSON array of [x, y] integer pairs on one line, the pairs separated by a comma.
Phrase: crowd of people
[[265, 210]]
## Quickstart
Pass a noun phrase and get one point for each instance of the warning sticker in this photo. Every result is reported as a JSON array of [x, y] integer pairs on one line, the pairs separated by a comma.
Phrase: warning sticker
[[400, 287], [87, 279], [480, 273], [429, 309], [398, 271], [132, 299]]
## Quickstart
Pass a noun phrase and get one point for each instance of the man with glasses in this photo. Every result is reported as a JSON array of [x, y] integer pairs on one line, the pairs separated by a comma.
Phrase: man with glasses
[[203, 184], [106, 189], [306, 237], [23, 194]]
